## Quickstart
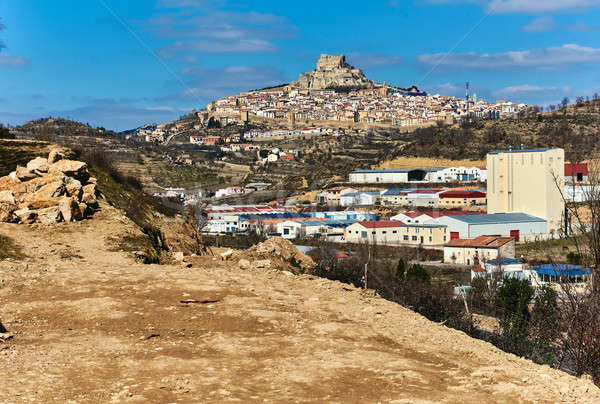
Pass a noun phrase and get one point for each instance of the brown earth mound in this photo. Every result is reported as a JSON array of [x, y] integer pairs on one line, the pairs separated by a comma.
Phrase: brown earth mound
[[276, 253]]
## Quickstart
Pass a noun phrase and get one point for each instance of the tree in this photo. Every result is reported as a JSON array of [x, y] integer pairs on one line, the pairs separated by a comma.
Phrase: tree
[[545, 325], [514, 297], [5, 133], [564, 103], [416, 273]]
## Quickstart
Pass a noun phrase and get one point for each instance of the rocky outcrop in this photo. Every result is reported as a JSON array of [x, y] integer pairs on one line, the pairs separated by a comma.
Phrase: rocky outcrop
[[333, 72], [48, 190]]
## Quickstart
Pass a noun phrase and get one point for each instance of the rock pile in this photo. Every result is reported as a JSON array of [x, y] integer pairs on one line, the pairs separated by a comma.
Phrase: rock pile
[[48, 190], [275, 253]]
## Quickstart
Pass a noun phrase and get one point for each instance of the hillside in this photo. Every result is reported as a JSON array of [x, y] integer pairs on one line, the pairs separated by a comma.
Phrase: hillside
[[576, 129], [90, 324]]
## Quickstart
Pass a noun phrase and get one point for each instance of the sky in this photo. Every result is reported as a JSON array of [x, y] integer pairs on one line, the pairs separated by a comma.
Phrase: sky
[[123, 63]]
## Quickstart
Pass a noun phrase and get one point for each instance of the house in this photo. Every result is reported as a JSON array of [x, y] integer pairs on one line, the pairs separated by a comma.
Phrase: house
[[576, 173], [334, 229], [331, 197], [454, 199], [519, 226], [478, 250], [391, 232], [361, 198], [394, 196]]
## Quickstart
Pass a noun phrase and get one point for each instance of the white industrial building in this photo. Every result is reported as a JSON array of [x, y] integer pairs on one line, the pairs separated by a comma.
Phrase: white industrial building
[[519, 226], [398, 176], [405, 175]]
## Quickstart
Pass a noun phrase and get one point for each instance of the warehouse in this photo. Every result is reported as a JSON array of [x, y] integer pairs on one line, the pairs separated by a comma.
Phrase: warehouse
[[519, 226], [398, 176]]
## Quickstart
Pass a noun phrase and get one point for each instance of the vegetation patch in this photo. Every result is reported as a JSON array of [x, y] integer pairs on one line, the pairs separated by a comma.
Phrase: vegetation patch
[[8, 249]]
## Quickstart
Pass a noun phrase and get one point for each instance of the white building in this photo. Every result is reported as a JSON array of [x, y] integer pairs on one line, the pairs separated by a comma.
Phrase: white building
[[516, 225], [478, 250]]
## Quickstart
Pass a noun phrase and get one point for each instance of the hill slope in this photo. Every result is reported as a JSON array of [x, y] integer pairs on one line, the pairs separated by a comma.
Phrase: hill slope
[[92, 325]]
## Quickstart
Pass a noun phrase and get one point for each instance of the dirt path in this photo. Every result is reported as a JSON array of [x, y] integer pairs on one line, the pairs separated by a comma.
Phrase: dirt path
[[94, 326]]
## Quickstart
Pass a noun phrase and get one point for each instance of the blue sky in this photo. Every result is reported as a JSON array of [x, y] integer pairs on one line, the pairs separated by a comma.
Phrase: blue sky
[[122, 63]]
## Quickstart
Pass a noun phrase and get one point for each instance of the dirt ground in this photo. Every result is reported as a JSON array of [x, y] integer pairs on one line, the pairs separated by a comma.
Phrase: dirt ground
[[92, 325]]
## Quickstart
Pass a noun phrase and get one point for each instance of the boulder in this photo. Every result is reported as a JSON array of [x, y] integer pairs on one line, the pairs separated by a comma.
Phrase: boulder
[[23, 174], [35, 184], [13, 176], [90, 189], [74, 188], [26, 215], [7, 196], [40, 203], [83, 208], [178, 256], [54, 156], [50, 190], [69, 209], [49, 215], [244, 263], [89, 199], [38, 164], [8, 183], [92, 180], [71, 168], [7, 212]]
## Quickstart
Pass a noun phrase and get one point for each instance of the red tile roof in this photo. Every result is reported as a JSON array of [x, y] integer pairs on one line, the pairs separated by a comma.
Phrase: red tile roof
[[478, 269], [572, 170], [462, 194], [480, 242], [382, 224]]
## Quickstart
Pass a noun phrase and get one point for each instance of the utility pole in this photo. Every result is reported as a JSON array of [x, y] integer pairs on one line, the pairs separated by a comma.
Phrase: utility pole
[[365, 275]]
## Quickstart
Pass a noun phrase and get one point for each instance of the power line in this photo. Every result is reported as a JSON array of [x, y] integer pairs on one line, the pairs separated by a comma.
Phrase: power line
[[144, 45]]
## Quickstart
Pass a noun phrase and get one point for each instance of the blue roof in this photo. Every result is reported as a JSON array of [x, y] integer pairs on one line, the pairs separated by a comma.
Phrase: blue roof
[[519, 151], [505, 261], [496, 218], [397, 191], [561, 269]]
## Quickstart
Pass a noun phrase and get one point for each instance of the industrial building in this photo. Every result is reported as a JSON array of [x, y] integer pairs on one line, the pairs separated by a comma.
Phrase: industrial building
[[527, 181], [519, 226], [398, 176]]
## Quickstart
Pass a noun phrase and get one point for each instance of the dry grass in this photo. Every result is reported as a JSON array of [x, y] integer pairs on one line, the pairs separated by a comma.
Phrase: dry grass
[[427, 162]]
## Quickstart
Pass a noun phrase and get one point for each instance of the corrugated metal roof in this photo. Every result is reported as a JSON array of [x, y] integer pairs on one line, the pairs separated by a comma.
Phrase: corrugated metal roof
[[497, 218], [519, 151]]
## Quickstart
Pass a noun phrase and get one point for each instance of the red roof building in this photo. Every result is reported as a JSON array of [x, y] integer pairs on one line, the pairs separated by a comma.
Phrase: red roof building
[[381, 224]]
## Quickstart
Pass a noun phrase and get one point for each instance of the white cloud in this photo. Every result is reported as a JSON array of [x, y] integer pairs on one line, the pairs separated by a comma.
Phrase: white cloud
[[540, 6], [13, 61], [528, 91], [544, 59], [367, 60], [542, 24], [527, 6]]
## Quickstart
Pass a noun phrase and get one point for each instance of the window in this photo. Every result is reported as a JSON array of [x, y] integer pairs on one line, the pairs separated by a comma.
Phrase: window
[[414, 238], [395, 231], [364, 234], [430, 239], [405, 238], [373, 232], [286, 231], [384, 232]]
